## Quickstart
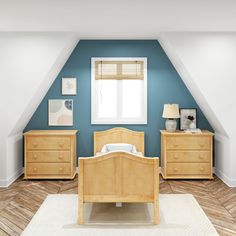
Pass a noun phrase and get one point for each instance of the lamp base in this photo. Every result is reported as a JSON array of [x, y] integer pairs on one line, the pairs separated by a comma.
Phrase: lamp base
[[171, 125]]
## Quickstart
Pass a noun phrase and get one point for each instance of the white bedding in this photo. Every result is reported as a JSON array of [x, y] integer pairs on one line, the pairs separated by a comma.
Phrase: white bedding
[[119, 147], [137, 153]]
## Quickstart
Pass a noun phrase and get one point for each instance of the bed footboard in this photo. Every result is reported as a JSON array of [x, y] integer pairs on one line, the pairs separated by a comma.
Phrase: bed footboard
[[118, 177]]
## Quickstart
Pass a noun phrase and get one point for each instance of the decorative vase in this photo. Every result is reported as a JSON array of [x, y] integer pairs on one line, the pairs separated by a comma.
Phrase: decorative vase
[[192, 125]]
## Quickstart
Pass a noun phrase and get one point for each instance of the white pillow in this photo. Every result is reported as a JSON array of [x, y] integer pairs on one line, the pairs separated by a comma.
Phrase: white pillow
[[119, 147]]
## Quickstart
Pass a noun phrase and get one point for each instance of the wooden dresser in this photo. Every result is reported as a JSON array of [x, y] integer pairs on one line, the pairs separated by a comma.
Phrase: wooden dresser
[[50, 154], [186, 155]]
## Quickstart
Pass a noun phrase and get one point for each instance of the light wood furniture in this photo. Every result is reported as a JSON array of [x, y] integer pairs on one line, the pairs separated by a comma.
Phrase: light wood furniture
[[50, 154], [186, 155], [118, 176]]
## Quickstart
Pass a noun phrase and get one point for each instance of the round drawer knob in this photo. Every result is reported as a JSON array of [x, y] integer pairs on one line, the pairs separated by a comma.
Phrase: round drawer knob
[[60, 157], [201, 157], [60, 169], [176, 157], [175, 169], [201, 145], [34, 169], [35, 156], [61, 145], [35, 145], [201, 169]]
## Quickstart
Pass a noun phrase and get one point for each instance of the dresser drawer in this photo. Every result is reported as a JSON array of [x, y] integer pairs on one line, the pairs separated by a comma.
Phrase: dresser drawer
[[188, 156], [61, 143], [178, 143], [48, 169], [48, 156], [189, 169]]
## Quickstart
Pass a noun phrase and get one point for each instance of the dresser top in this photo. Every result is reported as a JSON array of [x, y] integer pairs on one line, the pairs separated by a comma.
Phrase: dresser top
[[180, 132], [51, 132]]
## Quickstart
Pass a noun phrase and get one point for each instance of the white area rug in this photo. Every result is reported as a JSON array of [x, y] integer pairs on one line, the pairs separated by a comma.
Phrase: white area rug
[[180, 215]]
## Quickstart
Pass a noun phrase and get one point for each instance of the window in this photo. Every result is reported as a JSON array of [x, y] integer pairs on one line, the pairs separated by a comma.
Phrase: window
[[119, 91]]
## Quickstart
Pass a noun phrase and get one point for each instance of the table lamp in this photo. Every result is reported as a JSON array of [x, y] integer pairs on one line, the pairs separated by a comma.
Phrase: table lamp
[[171, 113]]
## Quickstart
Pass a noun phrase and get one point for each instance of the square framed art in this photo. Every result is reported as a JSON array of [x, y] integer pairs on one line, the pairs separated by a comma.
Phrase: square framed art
[[60, 112], [69, 86]]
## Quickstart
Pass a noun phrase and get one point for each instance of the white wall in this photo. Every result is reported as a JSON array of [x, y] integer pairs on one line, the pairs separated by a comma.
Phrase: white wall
[[29, 63], [206, 63]]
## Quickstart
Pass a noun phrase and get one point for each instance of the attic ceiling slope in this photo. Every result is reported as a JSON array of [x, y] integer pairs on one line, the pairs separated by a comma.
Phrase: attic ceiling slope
[[192, 83], [121, 19], [70, 41], [206, 63], [29, 64]]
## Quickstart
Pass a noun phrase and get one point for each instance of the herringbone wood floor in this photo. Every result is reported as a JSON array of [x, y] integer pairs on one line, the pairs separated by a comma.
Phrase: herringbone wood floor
[[20, 201]]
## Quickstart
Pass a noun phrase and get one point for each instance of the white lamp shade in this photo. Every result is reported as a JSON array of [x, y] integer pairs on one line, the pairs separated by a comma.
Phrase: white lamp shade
[[171, 111]]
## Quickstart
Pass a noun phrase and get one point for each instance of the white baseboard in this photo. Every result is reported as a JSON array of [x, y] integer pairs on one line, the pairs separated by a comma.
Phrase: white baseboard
[[225, 179], [6, 182]]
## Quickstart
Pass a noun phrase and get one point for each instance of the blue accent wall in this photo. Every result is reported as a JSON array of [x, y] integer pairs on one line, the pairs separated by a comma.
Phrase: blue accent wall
[[164, 86]]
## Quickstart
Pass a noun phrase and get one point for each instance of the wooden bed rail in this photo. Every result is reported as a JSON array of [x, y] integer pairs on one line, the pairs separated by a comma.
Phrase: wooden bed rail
[[118, 135]]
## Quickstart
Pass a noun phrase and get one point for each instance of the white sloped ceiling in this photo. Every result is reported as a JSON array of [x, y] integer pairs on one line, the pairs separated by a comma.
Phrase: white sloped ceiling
[[206, 63], [29, 63]]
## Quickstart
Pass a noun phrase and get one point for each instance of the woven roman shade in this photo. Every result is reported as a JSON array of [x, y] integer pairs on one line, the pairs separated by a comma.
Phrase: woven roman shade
[[119, 70]]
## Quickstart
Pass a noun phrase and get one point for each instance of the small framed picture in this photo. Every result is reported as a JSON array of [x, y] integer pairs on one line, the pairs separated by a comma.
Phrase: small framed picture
[[68, 86], [188, 118], [60, 112]]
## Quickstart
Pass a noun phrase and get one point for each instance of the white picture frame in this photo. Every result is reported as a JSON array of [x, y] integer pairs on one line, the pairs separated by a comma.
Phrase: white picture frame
[[184, 121], [69, 86], [60, 112]]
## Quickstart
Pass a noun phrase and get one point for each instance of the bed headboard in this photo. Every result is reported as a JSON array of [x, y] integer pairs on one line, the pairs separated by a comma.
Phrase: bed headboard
[[118, 135]]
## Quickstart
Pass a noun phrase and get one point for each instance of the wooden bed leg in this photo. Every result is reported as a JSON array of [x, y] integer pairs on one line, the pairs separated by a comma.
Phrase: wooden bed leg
[[81, 213], [155, 213], [156, 192], [81, 193]]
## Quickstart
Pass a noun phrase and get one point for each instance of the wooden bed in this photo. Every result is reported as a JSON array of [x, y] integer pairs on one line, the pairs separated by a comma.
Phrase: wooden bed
[[118, 176]]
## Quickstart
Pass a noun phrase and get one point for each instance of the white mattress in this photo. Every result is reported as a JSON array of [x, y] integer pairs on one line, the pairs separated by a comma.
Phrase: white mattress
[[102, 153], [109, 147]]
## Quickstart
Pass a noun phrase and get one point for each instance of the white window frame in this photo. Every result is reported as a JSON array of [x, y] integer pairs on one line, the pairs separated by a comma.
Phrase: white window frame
[[94, 118]]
